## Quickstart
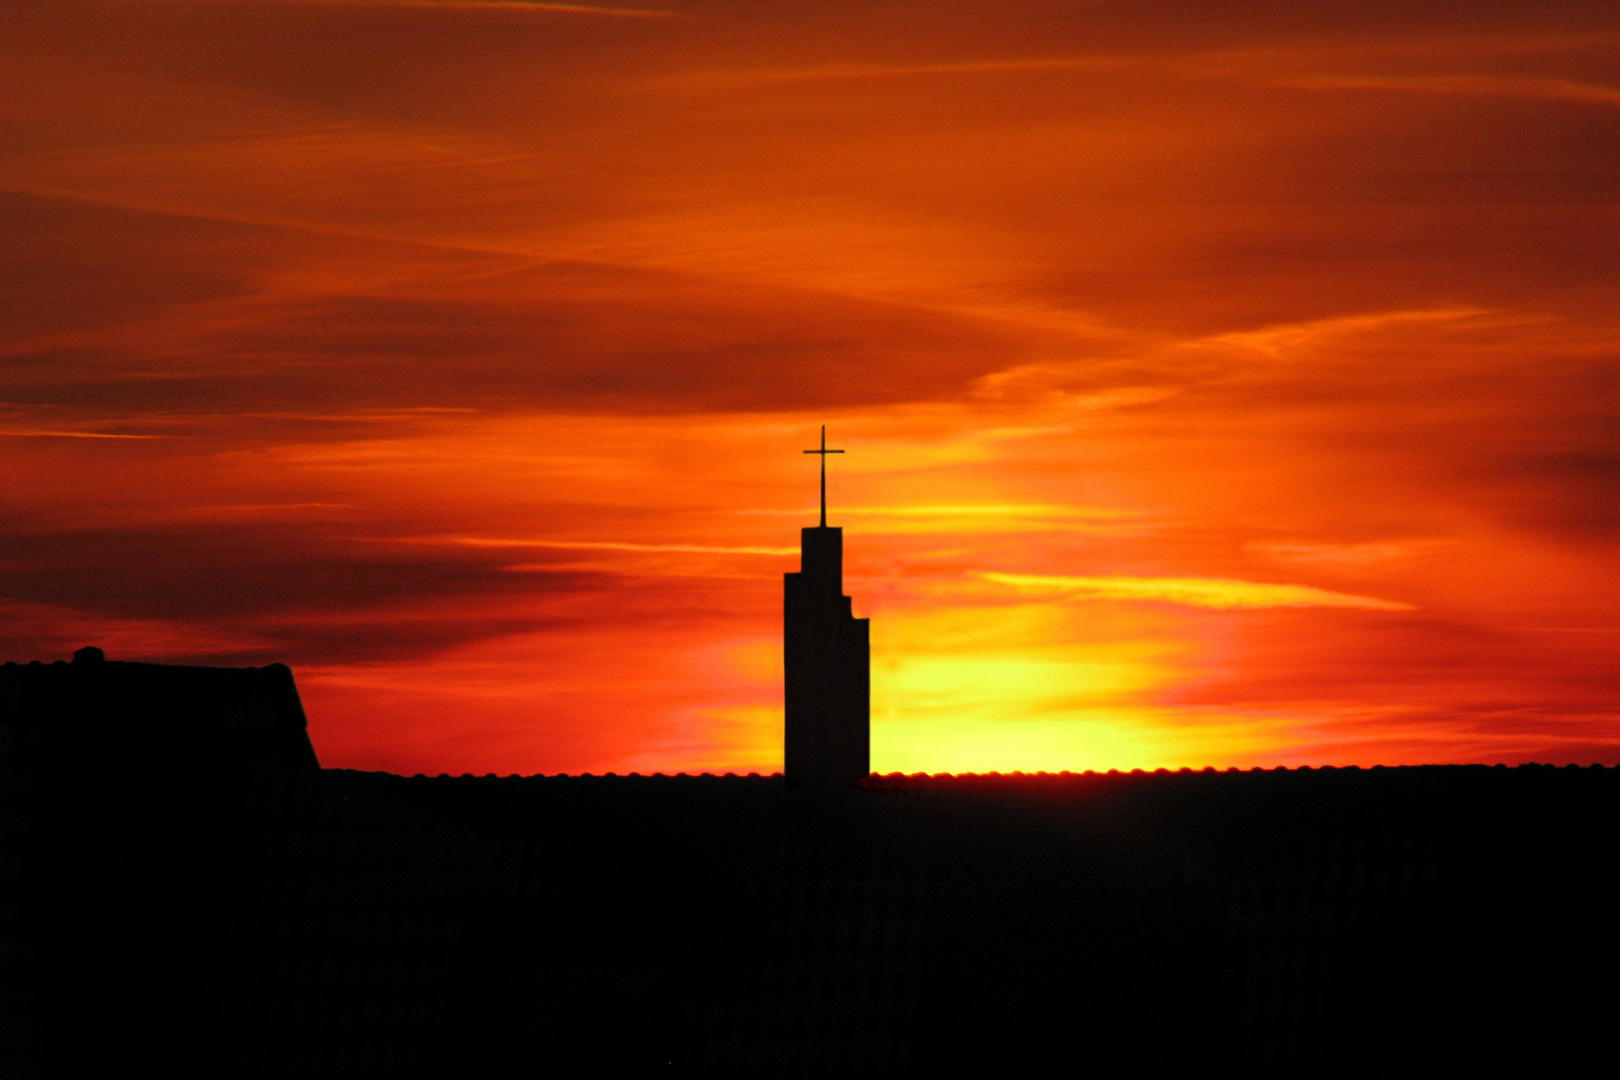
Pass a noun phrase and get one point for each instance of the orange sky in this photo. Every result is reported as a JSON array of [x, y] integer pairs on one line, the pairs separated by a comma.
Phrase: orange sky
[[1226, 387]]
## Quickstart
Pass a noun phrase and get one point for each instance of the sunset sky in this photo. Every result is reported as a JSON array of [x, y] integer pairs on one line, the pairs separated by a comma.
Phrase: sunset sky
[[1220, 384]]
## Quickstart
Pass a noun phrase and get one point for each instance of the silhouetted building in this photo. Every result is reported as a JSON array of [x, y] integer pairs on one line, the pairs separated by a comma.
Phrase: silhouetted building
[[99, 713], [826, 659]]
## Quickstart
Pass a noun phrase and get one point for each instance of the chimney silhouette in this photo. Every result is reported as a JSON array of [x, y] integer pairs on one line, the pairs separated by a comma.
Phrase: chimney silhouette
[[826, 656]]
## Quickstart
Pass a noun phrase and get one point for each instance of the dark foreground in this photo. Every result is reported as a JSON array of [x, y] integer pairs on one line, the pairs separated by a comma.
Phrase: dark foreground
[[301, 924]]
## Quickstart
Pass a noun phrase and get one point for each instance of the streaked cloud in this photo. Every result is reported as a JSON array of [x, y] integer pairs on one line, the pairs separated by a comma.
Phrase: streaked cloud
[[1366, 553], [539, 6], [1275, 341], [601, 545], [830, 72], [1195, 592], [1538, 89], [1035, 512], [897, 520], [35, 433]]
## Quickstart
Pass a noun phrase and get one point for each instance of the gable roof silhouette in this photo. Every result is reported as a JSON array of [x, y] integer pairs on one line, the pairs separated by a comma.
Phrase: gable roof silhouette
[[97, 714]]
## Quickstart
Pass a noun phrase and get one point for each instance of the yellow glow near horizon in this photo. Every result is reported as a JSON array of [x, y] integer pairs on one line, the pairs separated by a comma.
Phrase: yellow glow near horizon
[[1009, 687], [1099, 739]]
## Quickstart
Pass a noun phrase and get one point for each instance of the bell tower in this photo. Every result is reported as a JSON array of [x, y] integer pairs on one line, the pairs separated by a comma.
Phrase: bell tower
[[826, 655]]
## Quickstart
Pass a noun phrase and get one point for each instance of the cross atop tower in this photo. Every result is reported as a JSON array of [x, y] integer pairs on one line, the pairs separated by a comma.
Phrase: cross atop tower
[[824, 452]]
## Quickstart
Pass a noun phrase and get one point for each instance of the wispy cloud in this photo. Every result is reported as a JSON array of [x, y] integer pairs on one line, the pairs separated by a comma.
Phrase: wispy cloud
[[494, 5], [984, 520], [1351, 555], [598, 545], [1274, 340], [1491, 85], [1018, 510], [1227, 593], [834, 72], [29, 433]]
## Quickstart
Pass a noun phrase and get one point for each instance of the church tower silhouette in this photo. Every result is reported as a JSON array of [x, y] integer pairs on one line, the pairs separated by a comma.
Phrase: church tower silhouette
[[826, 654]]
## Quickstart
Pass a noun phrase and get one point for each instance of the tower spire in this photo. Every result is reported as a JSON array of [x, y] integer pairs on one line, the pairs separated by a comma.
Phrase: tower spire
[[826, 660], [824, 452]]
